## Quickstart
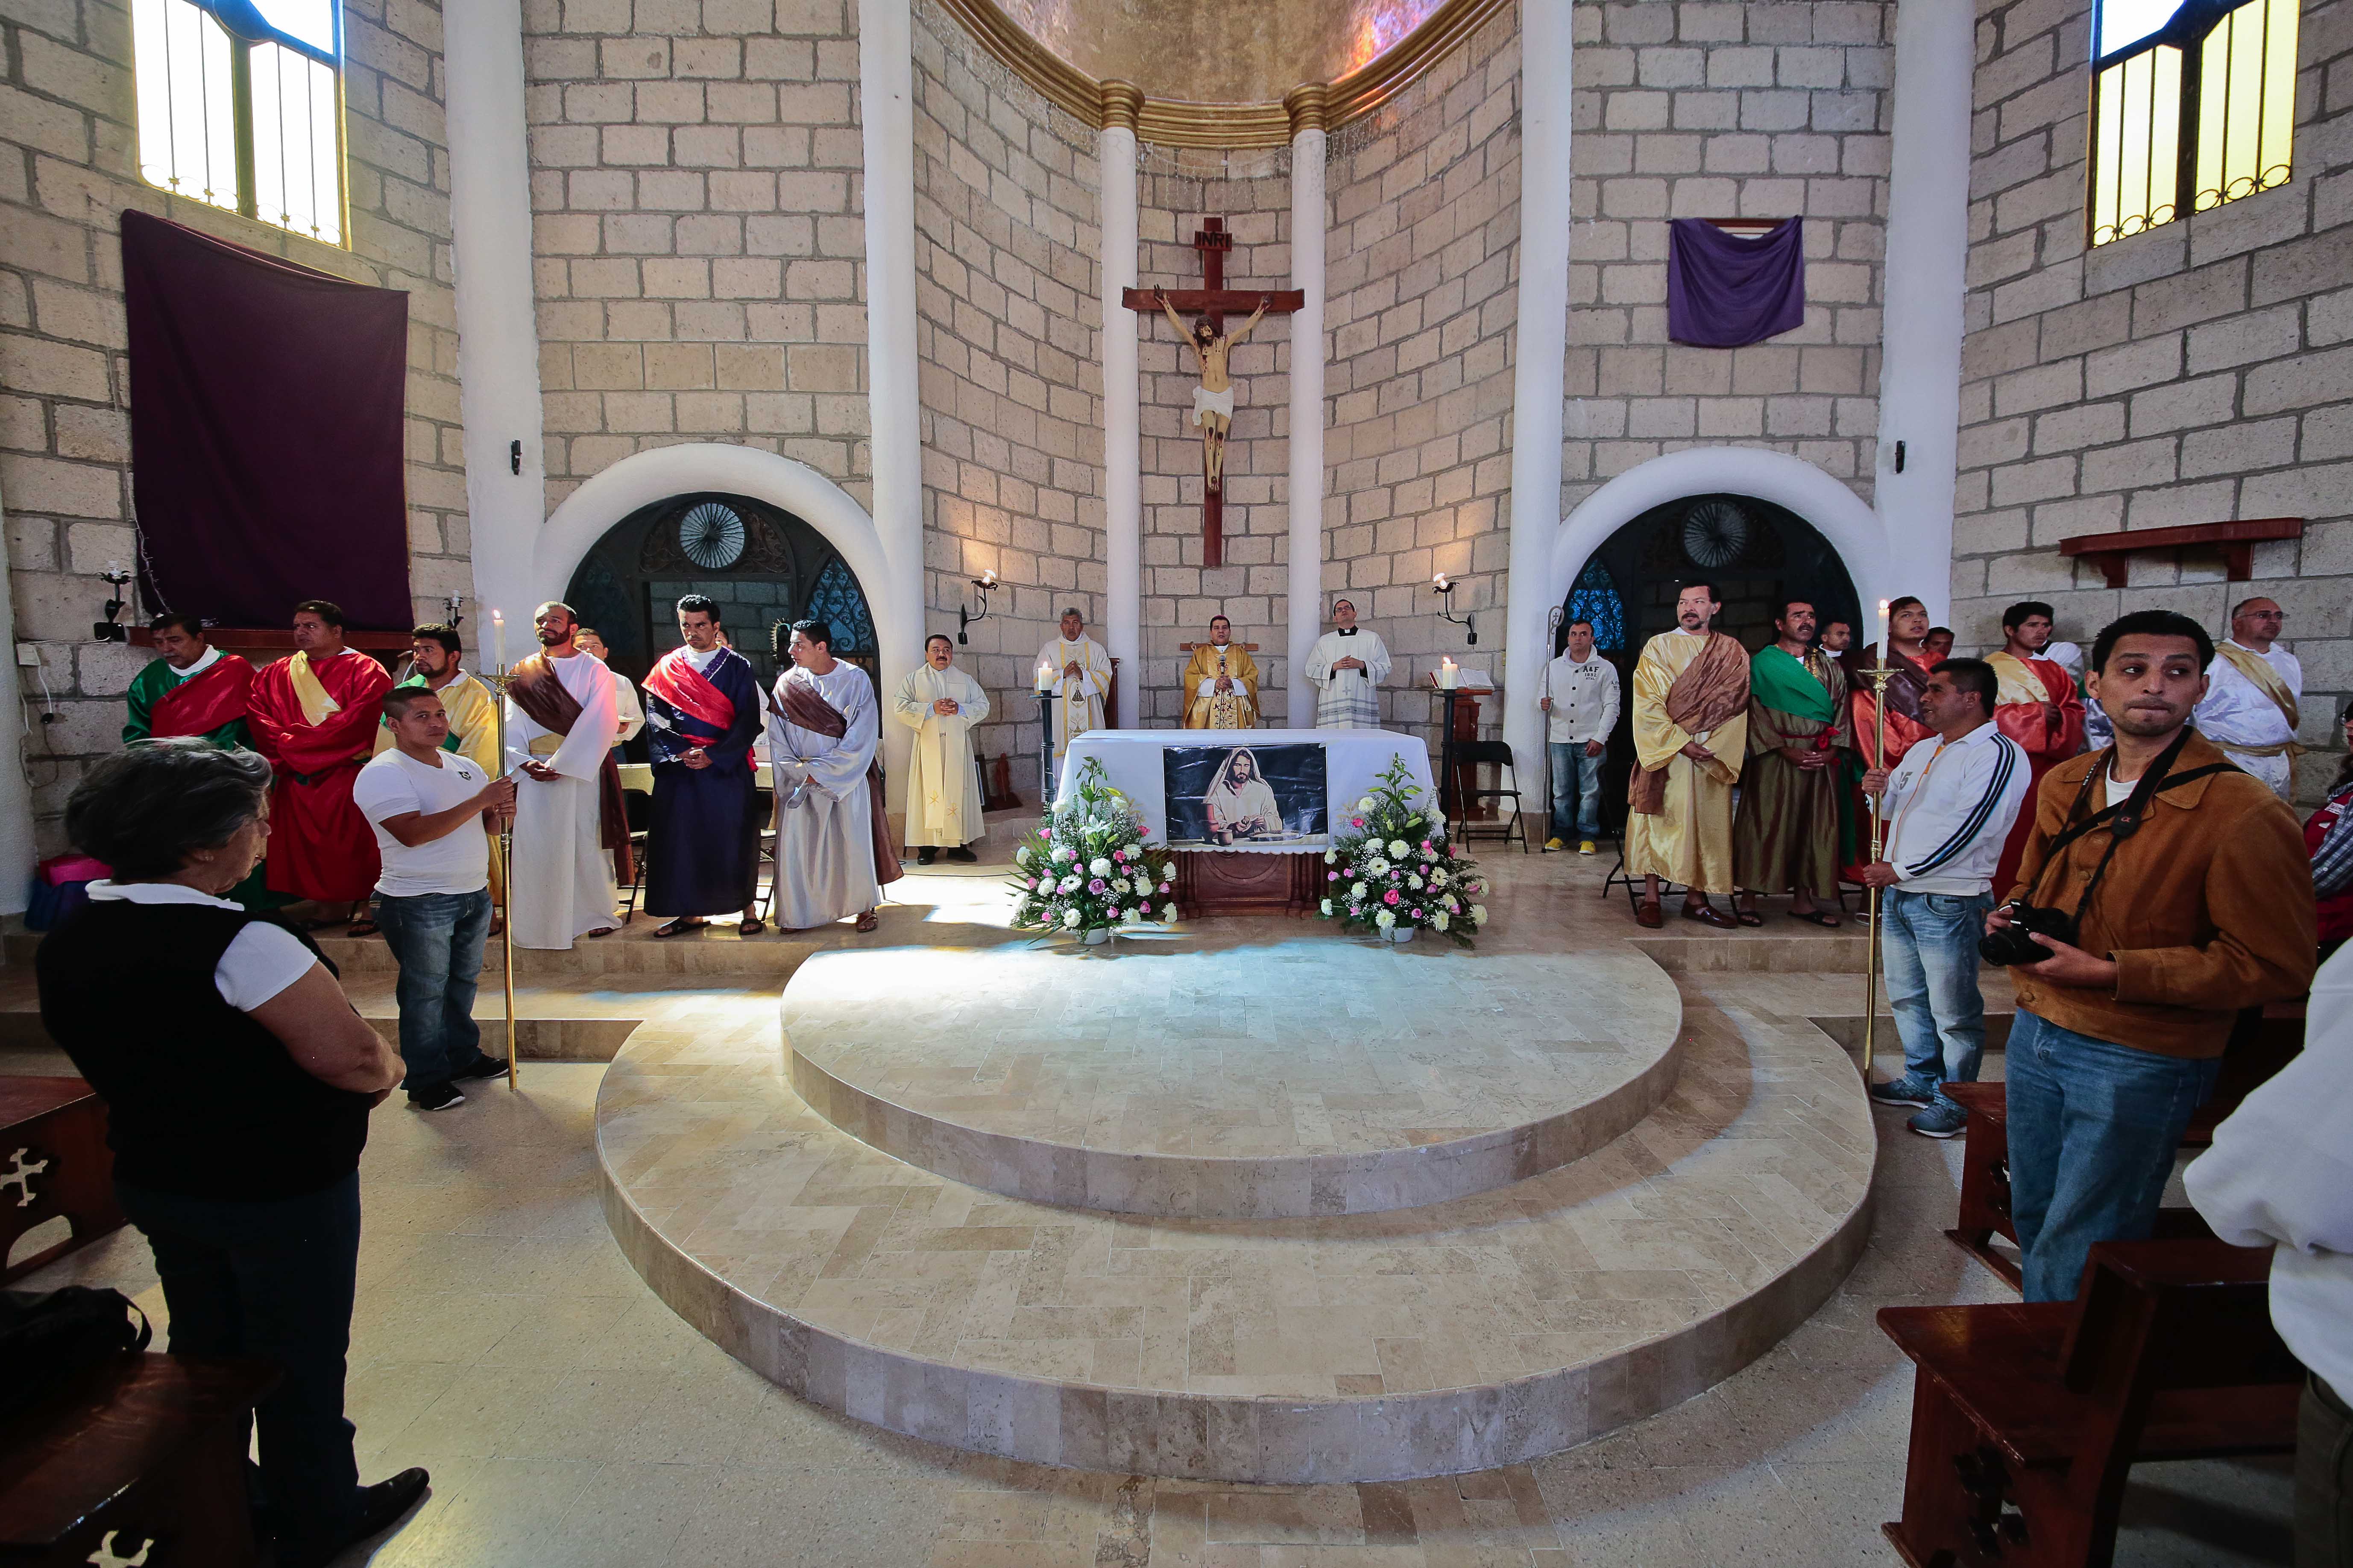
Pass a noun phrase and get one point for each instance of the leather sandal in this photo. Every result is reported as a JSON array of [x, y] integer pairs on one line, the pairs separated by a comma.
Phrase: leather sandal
[[753, 925], [680, 926], [1646, 916], [1817, 916], [1709, 915], [867, 922]]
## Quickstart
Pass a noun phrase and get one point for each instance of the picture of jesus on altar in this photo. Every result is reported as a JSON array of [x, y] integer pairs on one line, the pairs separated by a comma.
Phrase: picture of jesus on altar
[[1228, 797]]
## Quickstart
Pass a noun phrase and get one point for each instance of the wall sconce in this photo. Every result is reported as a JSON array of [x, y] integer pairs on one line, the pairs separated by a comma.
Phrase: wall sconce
[[983, 585], [1443, 586], [118, 578], [451, 603]]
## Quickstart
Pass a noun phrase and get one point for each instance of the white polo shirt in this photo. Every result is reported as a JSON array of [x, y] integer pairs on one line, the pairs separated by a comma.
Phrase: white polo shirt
[[459, 861], [1949, 805]]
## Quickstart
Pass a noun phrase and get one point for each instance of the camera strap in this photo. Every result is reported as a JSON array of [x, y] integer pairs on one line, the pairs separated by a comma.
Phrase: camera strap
[[2124, 817]]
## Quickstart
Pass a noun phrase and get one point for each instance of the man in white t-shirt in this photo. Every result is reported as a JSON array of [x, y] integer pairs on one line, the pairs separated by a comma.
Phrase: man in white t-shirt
[[430, 810]]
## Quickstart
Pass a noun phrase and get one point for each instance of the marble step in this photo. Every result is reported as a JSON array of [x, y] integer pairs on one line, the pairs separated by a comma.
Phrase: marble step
[[1476, 1332], [1303, 1075]]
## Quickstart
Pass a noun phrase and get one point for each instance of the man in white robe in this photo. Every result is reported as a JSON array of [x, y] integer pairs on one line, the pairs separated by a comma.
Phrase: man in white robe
[[2253, 689], [1082, 677], [823, 726], [941, 703], [562, 885], [1347, 667]]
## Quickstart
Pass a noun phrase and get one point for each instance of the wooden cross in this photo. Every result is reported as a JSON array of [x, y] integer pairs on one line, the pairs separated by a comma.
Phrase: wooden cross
[[1213, 301]]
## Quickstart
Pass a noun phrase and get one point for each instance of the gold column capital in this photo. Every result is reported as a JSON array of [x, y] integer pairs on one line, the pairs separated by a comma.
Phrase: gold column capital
[[1309, 105], [1120, 104]]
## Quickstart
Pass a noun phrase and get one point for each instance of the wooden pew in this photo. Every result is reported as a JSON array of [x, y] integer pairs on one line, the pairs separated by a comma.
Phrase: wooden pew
[[53, 1160], [2026, 1417], [2259, 1048]]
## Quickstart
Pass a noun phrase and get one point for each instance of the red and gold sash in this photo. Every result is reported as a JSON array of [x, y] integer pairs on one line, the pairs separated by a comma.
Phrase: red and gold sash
[[203, 702]]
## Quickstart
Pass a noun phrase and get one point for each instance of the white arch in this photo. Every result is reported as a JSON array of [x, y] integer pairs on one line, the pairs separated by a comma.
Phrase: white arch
[[1853, 529], [645, 478]]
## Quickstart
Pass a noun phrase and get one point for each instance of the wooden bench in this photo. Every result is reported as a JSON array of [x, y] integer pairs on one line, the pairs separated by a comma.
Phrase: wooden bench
[[2026, 1417], [2259, 1048], [53, 1160], [137, 1459]]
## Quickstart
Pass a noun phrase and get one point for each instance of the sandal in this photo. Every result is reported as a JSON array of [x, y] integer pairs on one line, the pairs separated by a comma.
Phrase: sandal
[[602, 931], [1747, 917], [753, 925], [868, 923], [362, 928], [1823, 918], [680, 926]]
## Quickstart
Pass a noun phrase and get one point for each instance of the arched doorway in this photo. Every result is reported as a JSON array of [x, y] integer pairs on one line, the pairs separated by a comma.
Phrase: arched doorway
[[762, 564], [1756, 552]]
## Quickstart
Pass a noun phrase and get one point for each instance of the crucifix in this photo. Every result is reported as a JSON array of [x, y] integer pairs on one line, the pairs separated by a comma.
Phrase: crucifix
[[1213, 400]]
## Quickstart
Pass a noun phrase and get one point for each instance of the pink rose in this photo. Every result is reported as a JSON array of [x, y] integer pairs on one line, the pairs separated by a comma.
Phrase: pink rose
[[1390, 897], [1355, 822], [1164, 887], [1096, 885], [1331, 875], [1119, 855]]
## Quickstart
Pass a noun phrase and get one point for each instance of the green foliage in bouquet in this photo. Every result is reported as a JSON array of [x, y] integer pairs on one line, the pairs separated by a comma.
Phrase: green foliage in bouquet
[[1393, 866], [1092, 867]]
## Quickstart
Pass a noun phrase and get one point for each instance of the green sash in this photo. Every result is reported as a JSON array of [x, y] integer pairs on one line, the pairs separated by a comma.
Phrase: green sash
[[449, 741], [1781, 683]]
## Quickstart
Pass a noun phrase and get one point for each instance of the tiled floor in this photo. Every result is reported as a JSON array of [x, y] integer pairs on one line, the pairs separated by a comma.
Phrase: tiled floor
[[572, 1421]]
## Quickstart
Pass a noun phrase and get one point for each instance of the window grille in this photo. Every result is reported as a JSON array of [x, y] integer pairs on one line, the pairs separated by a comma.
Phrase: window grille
[[1595, 598]]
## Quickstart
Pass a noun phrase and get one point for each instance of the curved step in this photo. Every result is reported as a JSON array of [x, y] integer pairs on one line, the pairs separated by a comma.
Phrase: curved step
[[1482, 1332], [1308, 1077]]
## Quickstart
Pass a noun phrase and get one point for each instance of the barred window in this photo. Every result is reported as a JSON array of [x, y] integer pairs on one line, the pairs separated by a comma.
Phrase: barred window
[[1595, 598], [2195, 96], [240, 106]]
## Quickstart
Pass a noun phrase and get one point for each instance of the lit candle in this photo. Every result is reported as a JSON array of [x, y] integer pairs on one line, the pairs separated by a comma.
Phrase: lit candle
[[499, 638], [1447, 675], [1883, 631], [1045, 676]]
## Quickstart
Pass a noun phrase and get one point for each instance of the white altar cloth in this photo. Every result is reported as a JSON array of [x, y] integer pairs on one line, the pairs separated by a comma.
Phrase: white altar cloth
[[1353, 760]]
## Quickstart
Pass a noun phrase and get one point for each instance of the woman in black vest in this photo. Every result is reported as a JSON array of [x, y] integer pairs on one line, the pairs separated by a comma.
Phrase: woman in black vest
[[238, 1082]]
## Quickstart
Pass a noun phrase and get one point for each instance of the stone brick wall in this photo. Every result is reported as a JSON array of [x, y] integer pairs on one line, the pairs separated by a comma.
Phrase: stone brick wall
[[1423, 257], [1725, 110], [71, 167], [1008, 243], [2198, 371], [698, 231], [1251, 192]]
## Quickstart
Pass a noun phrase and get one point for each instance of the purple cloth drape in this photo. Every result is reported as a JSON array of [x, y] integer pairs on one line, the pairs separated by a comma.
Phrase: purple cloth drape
[[1724, 292], [266, 433]]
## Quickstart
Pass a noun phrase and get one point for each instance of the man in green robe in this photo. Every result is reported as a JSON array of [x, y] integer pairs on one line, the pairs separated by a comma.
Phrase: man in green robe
[[194, 690], [1786, 837]]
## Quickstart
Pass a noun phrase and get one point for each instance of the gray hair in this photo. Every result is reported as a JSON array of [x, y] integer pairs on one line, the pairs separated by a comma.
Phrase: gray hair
[[146, 809]]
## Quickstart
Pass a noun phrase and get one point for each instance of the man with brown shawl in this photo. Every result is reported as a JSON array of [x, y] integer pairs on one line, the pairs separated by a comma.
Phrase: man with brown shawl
[[1691, 735], [568, 815], [834, 851], [1786, 839]]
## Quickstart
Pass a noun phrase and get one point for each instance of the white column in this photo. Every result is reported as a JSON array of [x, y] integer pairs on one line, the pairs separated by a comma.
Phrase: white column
[[498, 331], [886, 76], [1536, 377], [1122, 403], [1927, 256], [1308, 139], [16, 856]]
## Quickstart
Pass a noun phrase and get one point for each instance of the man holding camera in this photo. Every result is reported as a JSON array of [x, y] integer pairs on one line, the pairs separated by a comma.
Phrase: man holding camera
[[2164, 890], [1950, 803]]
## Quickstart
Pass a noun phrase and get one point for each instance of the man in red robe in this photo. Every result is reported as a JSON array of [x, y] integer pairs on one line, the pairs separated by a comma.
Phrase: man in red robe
[[2035, 704], [314, 714], [1907, 634]]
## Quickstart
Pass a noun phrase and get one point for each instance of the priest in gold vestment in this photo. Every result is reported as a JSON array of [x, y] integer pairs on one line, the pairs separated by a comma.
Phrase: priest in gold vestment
[[1690, 734], [1221, 683]]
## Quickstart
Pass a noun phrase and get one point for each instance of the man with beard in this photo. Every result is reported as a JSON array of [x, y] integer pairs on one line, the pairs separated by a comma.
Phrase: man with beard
[[833, 840], [703, 713], [568, 813], [2035, 704], [1691, 735]]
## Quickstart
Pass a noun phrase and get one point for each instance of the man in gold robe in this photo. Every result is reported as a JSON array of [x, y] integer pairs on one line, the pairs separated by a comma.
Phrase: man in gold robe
[[941, 703], [1221, 683], [1690, 734]]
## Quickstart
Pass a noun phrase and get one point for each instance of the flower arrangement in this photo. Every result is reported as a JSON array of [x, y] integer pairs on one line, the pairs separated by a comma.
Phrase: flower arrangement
[[1090, 868], [1393, 867]]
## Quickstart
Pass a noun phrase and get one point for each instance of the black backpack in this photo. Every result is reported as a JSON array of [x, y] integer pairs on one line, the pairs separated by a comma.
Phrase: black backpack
[[49, 1336]]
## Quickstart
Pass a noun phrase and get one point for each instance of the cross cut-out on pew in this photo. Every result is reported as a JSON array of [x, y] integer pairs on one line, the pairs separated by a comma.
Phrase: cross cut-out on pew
[[1213, 407]]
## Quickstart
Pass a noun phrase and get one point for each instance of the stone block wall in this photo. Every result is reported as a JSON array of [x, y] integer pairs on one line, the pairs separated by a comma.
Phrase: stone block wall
[[698, 230], [69, 167], [1251, 192], [1713, 110], [1008, 246], [1422, 290], [2198, 371]]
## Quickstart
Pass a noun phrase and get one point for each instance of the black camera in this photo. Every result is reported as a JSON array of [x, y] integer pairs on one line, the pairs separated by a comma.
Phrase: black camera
[[2015, 943]]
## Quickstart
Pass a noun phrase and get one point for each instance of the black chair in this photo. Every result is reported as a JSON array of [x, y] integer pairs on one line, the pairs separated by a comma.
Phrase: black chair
[[1497, 753], [639, 807]]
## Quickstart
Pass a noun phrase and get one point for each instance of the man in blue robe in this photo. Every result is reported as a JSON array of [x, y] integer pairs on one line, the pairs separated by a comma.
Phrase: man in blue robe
[[703, 713]]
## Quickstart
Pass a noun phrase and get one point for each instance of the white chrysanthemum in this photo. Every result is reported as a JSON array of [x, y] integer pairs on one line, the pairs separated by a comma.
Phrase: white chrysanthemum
[[1331, 857], [1168, 913], [1070, 883], [1477, 914], [1168, 872], [1376, 867], [1439, 919], [1384, 919], [1398, 848], [1358, 892], [1069, 917], [1099, 867], [1414, 883], [1328, 906], [1021, 855], [1365, 807]]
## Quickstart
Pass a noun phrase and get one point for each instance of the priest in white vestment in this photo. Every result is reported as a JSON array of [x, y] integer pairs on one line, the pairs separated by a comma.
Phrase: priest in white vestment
[[626, 702], [1347, 669], [560, 726], [832, 849], [1081, 672], [2253, 693], [941, 703]]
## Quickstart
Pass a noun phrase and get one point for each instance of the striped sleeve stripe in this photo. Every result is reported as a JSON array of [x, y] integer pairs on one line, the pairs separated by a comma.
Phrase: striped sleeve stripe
[[2006, 763]]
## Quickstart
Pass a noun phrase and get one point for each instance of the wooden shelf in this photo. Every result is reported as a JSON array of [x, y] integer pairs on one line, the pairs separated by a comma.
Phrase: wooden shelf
[[274, 639], [2236, 540]]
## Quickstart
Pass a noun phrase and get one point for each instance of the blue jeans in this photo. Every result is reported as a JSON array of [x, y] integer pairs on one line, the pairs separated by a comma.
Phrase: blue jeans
[[273, 1280], [1576, 790], [2093, 1127], [1931, 946], [437, 938]]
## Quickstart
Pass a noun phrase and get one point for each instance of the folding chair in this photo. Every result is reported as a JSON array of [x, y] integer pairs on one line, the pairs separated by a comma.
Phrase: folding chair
[[1469, 753], [637, 807]]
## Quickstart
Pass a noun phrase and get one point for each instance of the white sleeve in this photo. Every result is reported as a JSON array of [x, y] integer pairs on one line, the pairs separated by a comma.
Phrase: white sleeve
[[384, 790], [975, 702], [1377, 666], [1608, 700], [263, 961], [582, 754], [1319, 664], [2280, 1169]]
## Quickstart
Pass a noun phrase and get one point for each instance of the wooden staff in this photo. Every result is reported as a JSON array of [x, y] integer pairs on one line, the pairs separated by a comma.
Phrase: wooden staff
[[506, 841]]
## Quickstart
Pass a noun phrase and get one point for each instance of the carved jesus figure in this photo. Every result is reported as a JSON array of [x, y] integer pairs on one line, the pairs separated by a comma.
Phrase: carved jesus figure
[[1213, 400]]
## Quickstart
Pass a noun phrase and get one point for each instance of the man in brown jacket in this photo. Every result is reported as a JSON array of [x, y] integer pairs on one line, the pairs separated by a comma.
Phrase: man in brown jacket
[[2204, 907]]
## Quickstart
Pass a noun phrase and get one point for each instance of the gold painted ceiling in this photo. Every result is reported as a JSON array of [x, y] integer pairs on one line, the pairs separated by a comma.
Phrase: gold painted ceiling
[[1219, 51]]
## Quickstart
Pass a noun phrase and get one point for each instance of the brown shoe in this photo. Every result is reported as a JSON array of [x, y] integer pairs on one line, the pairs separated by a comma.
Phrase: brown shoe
[[1646, 916], [1709, 915]]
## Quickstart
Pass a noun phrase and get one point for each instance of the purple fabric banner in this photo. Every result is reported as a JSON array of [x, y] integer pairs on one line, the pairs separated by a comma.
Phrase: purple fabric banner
[[266, 433], [1724, 292]]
